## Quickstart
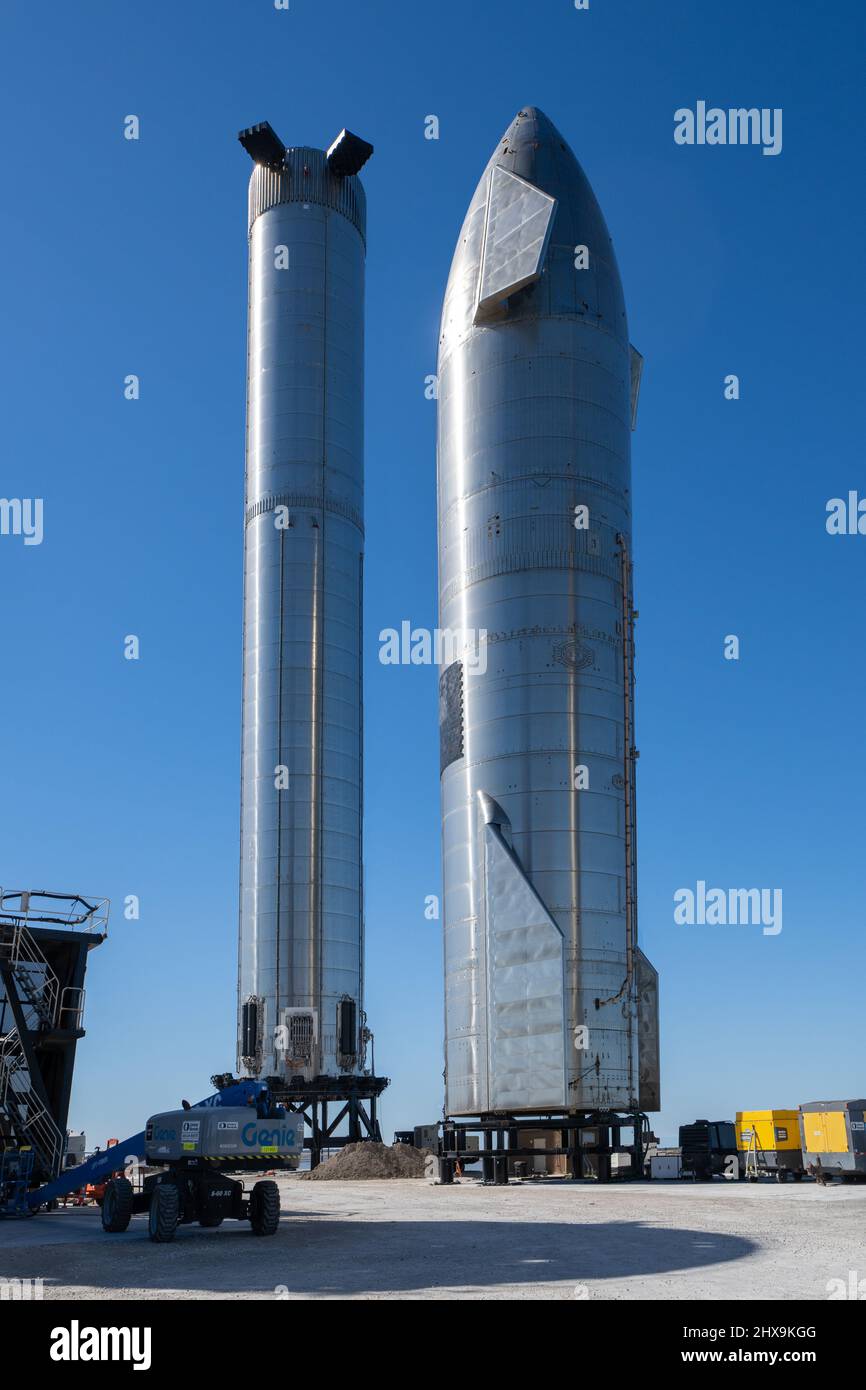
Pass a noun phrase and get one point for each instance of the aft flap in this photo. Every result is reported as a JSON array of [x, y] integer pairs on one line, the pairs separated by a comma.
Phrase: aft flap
[[526, 985]]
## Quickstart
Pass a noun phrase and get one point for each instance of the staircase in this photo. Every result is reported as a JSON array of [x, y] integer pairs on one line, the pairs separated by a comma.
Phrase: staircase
[[35, 978], [24, 1117], [27, 1118]]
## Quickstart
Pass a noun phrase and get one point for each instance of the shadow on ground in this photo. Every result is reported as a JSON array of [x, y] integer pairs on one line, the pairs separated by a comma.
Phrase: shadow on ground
[[340, 1258]]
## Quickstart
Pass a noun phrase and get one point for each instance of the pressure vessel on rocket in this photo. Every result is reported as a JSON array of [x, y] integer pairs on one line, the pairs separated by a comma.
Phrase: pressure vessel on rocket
[[550, 1004]]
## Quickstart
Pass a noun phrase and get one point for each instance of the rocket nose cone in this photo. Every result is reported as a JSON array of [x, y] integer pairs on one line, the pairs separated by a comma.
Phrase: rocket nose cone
[[531, 127], [533, 148], [492, 264]]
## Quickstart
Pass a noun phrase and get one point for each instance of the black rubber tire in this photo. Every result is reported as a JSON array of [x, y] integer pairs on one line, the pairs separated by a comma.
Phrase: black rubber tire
[[163, 1214], [265, 1208], [117, 1205], [210, 1221]]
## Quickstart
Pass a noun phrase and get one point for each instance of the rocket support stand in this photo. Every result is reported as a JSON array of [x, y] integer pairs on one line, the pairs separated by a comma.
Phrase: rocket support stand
[[498, 1147]]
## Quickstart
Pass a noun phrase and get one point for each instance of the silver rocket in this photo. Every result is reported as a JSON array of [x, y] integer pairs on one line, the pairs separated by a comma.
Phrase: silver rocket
[[550, 1005], [300, 979]]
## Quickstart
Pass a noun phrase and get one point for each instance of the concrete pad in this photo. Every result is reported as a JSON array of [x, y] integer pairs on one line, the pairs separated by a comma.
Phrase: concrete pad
[[413, 1240]]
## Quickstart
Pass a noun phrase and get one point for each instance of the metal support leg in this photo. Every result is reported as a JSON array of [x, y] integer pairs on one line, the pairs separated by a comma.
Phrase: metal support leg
[[570, 1141], [446, 1162], [500, 1162], [316, 1146]]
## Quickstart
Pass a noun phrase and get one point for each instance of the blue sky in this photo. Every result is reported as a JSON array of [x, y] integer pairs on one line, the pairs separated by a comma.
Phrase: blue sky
[[120, 777]]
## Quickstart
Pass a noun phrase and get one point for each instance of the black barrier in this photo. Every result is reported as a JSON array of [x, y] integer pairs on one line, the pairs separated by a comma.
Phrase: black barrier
[[149, 1336]]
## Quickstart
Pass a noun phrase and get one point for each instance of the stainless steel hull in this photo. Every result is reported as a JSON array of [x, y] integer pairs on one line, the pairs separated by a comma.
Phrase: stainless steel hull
[[535, 410], [301, 900]]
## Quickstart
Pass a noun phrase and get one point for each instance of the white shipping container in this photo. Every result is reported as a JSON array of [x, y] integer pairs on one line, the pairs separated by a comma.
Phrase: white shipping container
[[665, 1167]]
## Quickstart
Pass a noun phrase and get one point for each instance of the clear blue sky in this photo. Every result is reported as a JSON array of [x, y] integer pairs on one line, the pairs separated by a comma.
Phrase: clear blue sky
[[119, 257]]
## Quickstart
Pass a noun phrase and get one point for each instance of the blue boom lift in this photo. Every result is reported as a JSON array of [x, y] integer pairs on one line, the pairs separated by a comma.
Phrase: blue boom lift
[[45, 938], [101, 1166]]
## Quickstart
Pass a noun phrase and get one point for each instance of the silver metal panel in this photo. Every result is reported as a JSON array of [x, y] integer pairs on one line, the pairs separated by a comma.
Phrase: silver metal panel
[[516, 231], [525, 986], [648, 1030], [535, 414], [301, 913]]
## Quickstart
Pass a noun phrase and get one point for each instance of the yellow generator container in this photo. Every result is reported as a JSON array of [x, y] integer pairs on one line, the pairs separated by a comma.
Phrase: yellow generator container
[[768, 1141], [833, 1136]]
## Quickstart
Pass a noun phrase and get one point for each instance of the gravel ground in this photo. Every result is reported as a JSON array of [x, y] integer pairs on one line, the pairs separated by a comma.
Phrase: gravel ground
[[404, 1239]]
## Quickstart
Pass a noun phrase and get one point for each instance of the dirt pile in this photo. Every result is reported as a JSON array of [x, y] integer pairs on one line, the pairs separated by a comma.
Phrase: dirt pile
[[357, 1162]]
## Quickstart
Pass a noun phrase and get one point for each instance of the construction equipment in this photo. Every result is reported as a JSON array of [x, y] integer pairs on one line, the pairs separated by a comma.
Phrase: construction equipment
[[833, 1138], [194, 1149], [45, 939], [768, 1142], [709, 1147], [101, 1166]]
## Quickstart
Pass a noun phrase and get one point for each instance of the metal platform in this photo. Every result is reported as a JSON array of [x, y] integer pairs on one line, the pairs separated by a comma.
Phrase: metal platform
[[45, 939], [588, 1139], [355, 1097]]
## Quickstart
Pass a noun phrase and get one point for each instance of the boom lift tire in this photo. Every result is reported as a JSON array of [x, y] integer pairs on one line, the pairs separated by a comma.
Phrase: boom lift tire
[[117, 1205], [164, 1213], [265, 1208]]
